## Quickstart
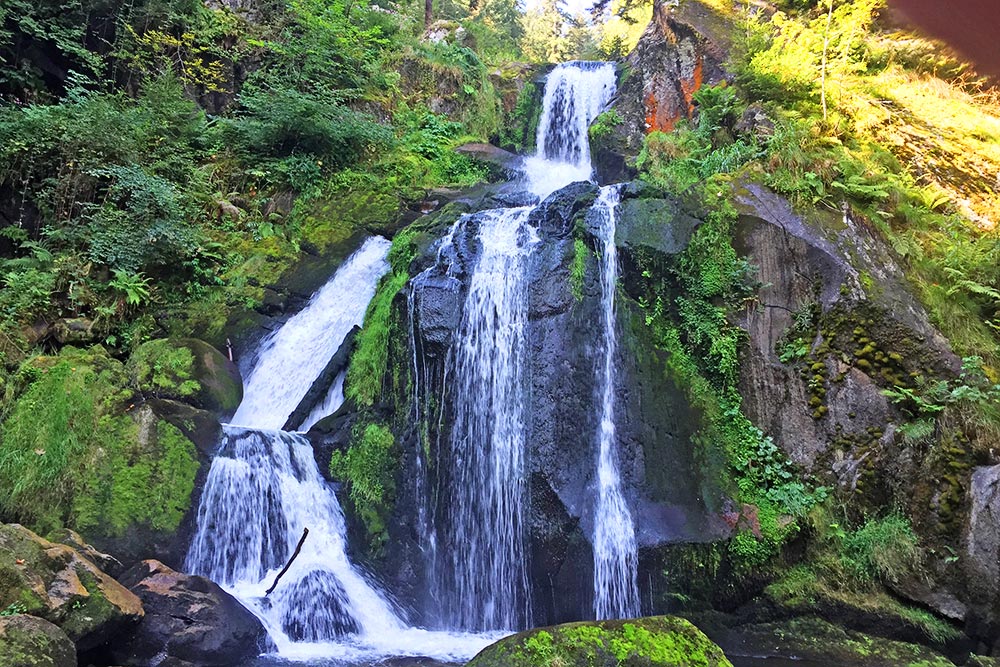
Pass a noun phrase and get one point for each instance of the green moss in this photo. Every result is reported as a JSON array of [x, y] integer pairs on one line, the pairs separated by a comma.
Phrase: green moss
[[578, 268], [659, 641], [71, 458], [162, 368], [368, 363], [368, 466]]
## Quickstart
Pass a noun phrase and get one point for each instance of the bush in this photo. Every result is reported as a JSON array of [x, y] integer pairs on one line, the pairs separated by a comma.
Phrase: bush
[[882, 550], [368, 466]]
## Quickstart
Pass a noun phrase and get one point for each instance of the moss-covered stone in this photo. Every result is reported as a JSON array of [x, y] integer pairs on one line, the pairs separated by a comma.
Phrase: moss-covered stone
[[186, 369], [27, 641], [76, 454], [658, 641], [57, 583], [815, 641]]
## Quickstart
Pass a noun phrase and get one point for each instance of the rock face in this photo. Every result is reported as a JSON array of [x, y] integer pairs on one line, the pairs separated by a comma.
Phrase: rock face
[[27, 641], [189, 619], [658, 641], [57, 583], [655, 424], [671, 61], [983, 549], [858, 329]]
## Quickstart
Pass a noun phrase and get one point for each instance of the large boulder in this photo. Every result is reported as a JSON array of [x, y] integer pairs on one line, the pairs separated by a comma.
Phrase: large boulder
[[28, 641], [57, 583], [658, 641], [188, 618], [187, 369]]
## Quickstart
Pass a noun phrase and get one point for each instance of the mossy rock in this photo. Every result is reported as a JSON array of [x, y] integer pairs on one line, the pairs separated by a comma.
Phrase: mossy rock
[[27, 641], [658, 641], [816, 641], [186, 369], [57, 583]]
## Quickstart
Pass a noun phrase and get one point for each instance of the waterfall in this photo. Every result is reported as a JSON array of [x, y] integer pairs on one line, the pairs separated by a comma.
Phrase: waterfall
[[575, 93], [616, 594], [481, 578], [291, 359], [264, 488], [487, 578]]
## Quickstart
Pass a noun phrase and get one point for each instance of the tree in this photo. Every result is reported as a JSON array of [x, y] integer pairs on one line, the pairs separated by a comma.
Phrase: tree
[[544, 32]]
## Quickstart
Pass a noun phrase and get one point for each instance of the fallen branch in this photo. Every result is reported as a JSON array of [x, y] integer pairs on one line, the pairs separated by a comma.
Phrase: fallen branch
[[298, 548]]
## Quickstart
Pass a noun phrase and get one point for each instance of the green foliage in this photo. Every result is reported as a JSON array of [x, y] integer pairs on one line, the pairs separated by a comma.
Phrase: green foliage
[[521, 126], [710, 281], [578, 268], [367, 371], [604, 125], [691, 155], [301, 135], [14, 608], [884, 550], [70, 458], [369, 466], [162, 368]]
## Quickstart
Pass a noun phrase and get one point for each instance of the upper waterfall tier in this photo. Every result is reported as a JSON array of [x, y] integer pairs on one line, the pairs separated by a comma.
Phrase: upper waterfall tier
[[575, 93], [291, 358]]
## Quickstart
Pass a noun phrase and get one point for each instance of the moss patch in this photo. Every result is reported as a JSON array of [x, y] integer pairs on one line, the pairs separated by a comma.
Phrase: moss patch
[[659, 641], [72, 458]]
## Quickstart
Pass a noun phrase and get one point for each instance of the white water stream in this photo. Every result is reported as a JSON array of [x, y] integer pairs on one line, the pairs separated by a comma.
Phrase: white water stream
[[616, 594], [264, 486]]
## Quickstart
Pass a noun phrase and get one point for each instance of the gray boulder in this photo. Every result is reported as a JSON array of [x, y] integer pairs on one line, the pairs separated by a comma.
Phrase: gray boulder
[[188, 618]]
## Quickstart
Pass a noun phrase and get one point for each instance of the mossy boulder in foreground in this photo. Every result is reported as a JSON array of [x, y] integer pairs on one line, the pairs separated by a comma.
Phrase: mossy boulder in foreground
[[657, 641], [189, 370], [26, 641], [57, 583]]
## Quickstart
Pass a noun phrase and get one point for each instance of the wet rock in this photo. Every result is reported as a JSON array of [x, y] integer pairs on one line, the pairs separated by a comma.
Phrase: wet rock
[[323, 382], [73, 331], [438, 312], [657, 641], [57, 583], [658, 224], [71, 538], [188, 618], [554, 217], [187, 369], [27, 641], [812, 641], [489, 153], [199, 426]]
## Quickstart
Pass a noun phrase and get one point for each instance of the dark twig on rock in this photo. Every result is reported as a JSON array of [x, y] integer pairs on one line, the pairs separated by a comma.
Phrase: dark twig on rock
[[298, 548]]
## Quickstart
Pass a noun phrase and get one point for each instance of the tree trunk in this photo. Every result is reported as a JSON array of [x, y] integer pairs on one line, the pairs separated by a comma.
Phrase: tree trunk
[[428, 13]]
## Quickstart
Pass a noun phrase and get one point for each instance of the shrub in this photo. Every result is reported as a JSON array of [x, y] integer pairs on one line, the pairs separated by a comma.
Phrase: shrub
[[882, 550]]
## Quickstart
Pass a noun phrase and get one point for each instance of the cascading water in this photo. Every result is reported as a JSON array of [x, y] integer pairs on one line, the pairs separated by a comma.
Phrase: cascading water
[[291, 359], [487, 578], [481, 580], [575, 93], [616, 594], [264, 488]]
